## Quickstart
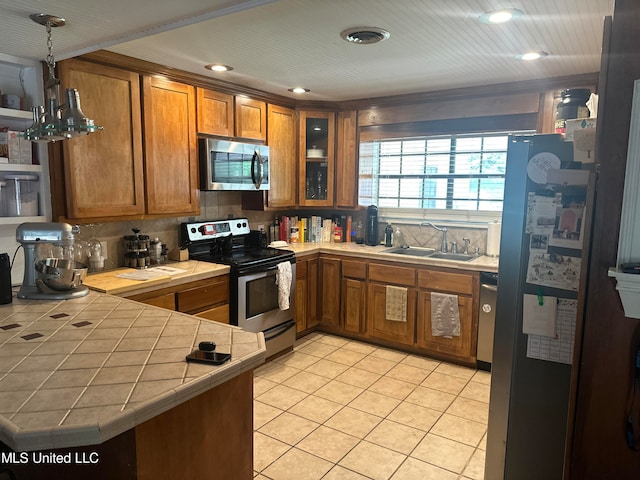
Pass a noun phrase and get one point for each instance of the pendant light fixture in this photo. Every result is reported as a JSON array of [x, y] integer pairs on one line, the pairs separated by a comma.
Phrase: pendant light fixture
[[57, 120]]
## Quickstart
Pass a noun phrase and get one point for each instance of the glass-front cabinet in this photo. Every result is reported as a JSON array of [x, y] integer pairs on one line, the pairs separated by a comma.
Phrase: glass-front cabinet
[[317, 165]]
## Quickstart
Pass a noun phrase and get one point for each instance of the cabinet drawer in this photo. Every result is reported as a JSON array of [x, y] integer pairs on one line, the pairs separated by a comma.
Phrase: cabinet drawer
[[217, 314], [354, 269], [168, 300], [202, 296], [392, 274], [445, 281]]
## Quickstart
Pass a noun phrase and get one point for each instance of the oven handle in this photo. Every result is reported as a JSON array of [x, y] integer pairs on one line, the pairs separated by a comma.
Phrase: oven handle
[[260, 269], [279, 330]]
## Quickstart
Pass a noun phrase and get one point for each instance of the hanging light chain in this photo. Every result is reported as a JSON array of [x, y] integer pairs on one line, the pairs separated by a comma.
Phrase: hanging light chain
[[51, 61]]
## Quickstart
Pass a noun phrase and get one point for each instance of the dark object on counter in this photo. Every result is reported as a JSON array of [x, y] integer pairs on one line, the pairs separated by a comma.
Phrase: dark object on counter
[[388, 235], [207, 346], [6, 295], [212, 358], [573, 105], [372, 226]]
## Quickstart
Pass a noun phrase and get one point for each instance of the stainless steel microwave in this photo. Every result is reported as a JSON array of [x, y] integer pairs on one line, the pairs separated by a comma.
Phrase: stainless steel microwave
[[227, 165]]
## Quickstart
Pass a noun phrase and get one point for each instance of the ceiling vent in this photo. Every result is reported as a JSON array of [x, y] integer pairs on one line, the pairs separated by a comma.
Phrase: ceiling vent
[[365, 35]]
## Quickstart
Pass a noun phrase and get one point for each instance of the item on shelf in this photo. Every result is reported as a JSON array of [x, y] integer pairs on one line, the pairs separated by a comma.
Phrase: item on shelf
[[14, 148], [11, 101], [22, 195]]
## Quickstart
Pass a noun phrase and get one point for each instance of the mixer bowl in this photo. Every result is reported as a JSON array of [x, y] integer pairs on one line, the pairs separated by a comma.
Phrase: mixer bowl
[[61, 275]]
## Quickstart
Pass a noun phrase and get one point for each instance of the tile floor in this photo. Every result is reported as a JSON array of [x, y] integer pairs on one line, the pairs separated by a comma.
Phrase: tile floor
[[336, 409]]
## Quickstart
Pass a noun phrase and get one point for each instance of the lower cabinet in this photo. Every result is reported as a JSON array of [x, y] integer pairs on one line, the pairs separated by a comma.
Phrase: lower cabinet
[[207, 299], [306, 293], [378, 326], [330, 291], [354, 296]]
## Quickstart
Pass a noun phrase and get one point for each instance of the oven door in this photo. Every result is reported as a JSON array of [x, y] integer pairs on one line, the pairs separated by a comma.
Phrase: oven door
[[258, 300]]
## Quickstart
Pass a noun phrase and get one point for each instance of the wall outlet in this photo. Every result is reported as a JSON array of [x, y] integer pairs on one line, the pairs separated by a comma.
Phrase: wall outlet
[[104, 250]]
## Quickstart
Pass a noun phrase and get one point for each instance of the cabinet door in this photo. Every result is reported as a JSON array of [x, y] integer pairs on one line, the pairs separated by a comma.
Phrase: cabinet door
[[301, 296], [103, 171], [347, 160], [166, 300], [354, 297], [312, 292], [330, 287], [460, 347], [282, 157], [171, 161], [316, 140], [215, 113], [377, 324], [251, 118]]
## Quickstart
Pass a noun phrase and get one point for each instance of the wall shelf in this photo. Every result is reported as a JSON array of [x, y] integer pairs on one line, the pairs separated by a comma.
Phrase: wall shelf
[[13, 114]]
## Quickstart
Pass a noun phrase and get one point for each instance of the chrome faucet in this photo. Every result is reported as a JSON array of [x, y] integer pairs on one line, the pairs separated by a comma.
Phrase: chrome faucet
[[466, 244], [443, 244]]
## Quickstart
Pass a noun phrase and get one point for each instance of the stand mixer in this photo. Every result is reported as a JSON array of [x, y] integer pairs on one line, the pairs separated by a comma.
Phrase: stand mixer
[[61, 234]]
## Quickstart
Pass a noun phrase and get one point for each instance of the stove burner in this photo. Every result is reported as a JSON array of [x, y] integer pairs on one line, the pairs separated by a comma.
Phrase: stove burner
[[221, 246]]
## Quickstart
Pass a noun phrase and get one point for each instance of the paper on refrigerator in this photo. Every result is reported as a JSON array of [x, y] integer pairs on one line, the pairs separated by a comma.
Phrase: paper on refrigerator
[[539, 315]]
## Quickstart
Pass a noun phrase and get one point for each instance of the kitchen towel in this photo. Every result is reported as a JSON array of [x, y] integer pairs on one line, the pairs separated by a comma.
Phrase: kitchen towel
[[396, 304], [445, 317], [283, 280]]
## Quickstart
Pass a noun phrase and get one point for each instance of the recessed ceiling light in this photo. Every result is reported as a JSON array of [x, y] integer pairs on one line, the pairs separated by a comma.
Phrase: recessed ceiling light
[[365, 35], [500, 16], [218, 67], [531, 56], [299, 90]]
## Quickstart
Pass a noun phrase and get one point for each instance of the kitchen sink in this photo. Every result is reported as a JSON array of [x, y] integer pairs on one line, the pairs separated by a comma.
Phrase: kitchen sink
[[460, 257], [412, 251]]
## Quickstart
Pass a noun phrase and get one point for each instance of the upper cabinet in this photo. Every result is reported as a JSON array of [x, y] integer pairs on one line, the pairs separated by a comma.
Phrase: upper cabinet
[[282, 157], [108, 175], [316, 143], [347, 160], [227, 115]]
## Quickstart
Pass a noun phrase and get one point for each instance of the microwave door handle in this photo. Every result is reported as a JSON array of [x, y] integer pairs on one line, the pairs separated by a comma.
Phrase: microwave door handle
[[256, 159]]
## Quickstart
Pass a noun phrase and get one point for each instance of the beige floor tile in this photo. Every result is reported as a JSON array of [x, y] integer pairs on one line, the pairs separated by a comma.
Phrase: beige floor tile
[[282, 397], [315, 408], [423, 363], [318, 349], [341, 473], [415, 416], [297, 360], [358, 377], [459, 429], [414, 469], [275, 372], [346, 357], [427, 397], [443, 452], [328, 444], [263, 414], [306, 381], [483, 443], [389, 354], [354, 422], [475, 467], [260, 477], [444, 383], [374, 403], [476, 391], [375, 364], [360, 347], [470, 409], [339, 392], [455, 370], [372, 461], [395, 436], [392, 387], [407, 373], [298, 465], [326, 368], [288, 428], [261, 385], [333, 340], [482, 377], [266, 450]]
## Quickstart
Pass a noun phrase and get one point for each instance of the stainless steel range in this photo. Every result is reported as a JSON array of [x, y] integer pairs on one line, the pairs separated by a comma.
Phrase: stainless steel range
[[260, 300]]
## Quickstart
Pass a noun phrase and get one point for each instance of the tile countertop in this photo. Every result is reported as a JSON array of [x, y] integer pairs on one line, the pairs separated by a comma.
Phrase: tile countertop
[[481, 264], [79, 372]]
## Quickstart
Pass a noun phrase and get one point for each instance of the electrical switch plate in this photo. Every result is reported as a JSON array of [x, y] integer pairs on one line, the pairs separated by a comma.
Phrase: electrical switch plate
[[104, 250]]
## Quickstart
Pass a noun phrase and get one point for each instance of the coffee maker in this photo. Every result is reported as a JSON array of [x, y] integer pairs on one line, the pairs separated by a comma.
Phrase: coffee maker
[[60, 279], [373, 236]]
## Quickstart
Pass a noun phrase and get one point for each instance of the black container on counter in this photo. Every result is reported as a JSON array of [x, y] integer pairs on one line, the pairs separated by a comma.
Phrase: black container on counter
[[6, 295], [373, 237], [388, 235]]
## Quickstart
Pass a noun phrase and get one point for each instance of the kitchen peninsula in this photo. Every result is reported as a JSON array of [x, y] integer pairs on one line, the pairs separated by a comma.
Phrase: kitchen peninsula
[[102, 383]]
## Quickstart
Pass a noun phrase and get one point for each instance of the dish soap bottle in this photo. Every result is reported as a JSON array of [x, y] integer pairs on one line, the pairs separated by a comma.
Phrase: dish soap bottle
[[388, 234]]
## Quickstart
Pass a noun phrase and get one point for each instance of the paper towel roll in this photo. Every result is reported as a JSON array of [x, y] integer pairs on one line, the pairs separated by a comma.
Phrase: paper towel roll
[[493, 239]]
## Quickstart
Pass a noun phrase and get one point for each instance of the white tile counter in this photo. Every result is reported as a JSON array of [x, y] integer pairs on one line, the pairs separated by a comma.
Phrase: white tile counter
[[79, 372]]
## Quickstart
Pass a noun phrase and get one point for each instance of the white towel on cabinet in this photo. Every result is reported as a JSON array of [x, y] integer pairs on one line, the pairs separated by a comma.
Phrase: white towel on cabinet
[[283, 280], [445, 317], [396, 304]]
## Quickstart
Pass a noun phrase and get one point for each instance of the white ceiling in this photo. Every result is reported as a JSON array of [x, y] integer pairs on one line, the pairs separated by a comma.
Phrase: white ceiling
[[277, 44]]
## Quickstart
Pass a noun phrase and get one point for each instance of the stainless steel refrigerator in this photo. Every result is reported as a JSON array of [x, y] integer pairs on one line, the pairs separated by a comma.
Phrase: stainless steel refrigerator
[[543, 240]]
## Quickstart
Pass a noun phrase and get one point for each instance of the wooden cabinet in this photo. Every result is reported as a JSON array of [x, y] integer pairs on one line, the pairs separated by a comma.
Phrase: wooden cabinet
[[170, 146], [354, 296], [101, 174], [109, 174], [347, 160], [282, 157], [250, 118], [316, 167], [465, 286], [208, 298], [215, 113], [330, 291], [306, 306]]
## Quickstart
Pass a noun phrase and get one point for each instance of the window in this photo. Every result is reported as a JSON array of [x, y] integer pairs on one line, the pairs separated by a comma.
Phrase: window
[[443, 172]]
